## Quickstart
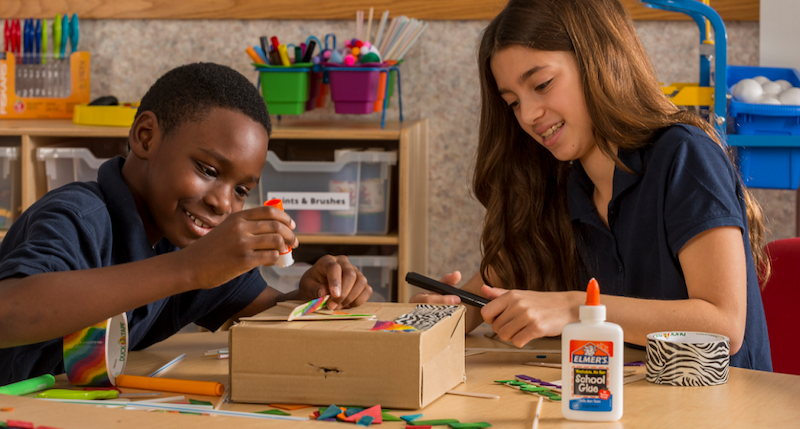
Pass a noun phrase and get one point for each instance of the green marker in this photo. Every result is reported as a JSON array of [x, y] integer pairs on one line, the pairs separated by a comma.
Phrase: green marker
[[29, 386]]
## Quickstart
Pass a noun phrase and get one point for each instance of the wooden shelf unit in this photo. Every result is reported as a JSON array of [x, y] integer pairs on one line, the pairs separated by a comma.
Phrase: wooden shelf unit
[[409, 138]]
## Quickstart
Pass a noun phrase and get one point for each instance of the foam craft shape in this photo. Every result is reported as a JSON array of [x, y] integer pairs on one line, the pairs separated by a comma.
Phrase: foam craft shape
[[389, 418], [275, 412], [309, 307], [290, 407], [374, 412], [331, 411], [411, 417], [437, 422], [475, 425], [391, 326], [350, 411], [364, 421]]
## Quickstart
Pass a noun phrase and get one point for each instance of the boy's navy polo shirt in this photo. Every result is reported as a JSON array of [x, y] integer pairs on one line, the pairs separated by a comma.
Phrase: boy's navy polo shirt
[[684, 185], [91, 225]]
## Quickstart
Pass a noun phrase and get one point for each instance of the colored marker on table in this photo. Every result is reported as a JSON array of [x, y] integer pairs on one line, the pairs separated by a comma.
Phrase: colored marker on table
[[168, 366], [29, 386]]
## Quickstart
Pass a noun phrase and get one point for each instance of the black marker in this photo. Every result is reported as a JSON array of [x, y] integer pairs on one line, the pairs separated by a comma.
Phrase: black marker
[[441, 288]]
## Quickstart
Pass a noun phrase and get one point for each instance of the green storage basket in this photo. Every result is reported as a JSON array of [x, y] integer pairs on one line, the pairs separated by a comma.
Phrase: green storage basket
[[285, 89]]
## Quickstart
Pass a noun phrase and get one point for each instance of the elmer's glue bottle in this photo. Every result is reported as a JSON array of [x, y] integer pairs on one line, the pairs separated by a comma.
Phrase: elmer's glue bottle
[[284, 259], [591, 364]]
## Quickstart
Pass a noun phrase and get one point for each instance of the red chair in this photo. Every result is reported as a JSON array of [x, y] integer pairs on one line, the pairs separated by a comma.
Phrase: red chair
[[781, 296]]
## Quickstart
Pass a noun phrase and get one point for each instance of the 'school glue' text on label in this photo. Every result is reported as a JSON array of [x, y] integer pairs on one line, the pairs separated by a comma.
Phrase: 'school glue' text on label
[[591, 353]]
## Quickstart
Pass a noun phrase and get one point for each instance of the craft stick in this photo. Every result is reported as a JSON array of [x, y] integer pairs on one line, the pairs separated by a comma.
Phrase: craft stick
[[218, 351], [208, 388], [472, 394], [157, 400], [381, 27], [544, 364], [168, 365], [632, 378], [471, 353], [224, 356], [422, 30], [499, 350], [369, 25], [181, 407], [359, 23], [126, 395], [223, 399], [538, 412]]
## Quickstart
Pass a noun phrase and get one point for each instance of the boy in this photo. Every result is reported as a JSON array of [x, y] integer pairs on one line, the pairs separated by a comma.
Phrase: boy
[[161, 231]]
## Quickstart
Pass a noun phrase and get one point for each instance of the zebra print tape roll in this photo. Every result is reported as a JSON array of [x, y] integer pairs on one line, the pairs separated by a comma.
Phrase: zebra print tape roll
[[95, 356], [688, 358]]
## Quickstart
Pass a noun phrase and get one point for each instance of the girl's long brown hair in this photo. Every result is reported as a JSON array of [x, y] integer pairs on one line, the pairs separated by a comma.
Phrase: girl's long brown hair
[[527, 240]]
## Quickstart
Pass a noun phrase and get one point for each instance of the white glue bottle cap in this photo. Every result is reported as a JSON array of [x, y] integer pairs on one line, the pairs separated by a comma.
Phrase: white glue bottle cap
[[593, 311], [284, 259]]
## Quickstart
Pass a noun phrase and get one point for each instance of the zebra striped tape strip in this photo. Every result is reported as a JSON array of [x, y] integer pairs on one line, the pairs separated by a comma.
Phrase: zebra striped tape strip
[[687, 358], [95, 356]]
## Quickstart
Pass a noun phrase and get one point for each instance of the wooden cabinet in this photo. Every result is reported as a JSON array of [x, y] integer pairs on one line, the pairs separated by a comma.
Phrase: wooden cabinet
[[408, 231]]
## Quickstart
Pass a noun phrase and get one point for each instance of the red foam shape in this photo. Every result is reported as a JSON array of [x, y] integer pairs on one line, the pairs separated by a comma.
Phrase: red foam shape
[[19, 424], [374, 412]]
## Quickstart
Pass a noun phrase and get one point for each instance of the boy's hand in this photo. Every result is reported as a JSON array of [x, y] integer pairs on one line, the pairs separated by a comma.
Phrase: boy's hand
[[244, 240], [337, 277]]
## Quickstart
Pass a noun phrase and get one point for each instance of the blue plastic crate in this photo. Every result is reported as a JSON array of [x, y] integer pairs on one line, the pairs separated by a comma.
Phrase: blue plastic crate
[[770, 167], [764, 119]]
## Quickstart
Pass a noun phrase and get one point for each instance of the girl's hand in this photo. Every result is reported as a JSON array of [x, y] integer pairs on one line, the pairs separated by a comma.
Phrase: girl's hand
[[434, 298], [520, 316]]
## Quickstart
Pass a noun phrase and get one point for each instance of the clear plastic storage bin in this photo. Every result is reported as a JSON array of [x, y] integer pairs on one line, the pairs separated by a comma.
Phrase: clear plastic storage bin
[[347, 196], [65, 165], [377, 269], [9, 193]]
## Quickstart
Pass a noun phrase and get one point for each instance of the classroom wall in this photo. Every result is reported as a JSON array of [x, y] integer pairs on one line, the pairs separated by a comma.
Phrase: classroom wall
[[439, 82]]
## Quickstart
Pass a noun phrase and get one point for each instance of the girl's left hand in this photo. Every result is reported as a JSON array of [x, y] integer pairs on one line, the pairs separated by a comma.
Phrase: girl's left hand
[[520, 316]]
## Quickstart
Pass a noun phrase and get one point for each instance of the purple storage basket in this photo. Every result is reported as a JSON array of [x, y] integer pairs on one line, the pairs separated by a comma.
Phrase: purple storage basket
[[354, 91]]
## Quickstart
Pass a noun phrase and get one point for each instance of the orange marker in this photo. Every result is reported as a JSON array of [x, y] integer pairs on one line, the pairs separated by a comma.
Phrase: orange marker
[[207, 388], [284, 259], [252, 52]]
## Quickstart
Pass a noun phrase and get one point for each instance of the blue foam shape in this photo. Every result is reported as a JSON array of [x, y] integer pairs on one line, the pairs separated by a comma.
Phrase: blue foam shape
[[411, 417], [330, 412], [353, 410], [365, 421]]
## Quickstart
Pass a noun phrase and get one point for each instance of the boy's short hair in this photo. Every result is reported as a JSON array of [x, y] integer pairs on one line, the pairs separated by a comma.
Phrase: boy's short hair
[[187, 93]]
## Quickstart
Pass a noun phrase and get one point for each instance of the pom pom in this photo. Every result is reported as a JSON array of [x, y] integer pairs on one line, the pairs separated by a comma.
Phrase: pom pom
[[349, 60]]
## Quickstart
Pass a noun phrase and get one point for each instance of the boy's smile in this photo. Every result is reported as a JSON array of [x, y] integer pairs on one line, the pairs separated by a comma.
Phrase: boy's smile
[[195, 177]]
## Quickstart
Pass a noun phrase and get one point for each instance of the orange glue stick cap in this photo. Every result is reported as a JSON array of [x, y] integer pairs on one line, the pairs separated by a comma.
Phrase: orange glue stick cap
[[593, 292]]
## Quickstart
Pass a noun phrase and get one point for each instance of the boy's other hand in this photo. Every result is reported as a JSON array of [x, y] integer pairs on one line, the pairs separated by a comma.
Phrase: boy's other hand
[[451, 279], [337, 277], [243, 241]]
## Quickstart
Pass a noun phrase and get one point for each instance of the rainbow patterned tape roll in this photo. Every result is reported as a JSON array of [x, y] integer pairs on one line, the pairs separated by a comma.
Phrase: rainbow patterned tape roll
[[95, 356], [688, 358]]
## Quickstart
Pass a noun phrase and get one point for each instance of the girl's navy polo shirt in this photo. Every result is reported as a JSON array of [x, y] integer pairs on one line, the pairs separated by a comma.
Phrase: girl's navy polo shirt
[[91, 225], [683, 184]]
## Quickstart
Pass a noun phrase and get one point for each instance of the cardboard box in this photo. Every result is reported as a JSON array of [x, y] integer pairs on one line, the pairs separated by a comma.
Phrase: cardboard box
[[343, 362]]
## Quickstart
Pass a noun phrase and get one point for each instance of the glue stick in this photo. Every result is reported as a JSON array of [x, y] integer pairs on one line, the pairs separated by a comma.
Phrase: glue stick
[[591, 364], [284, 259]]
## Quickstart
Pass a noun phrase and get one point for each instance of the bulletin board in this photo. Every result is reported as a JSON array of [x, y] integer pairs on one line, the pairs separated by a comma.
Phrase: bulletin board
[[729, 10]]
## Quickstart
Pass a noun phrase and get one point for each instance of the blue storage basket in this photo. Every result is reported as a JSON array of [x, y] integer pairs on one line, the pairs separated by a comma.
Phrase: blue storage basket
[[769, 167], [764, 119]]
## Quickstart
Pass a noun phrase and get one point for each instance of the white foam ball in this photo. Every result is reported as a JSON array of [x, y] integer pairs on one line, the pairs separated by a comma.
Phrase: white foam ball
[[761, 80], [748, 91], [768, 99], [785, 84], [790, 97], [771, 88]]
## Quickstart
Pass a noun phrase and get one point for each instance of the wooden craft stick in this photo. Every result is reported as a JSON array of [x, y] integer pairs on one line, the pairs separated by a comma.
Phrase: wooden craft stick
[[498, 350], [632, 378], [473, 394], [368, 36], [537, 413], [223, 399], [157, 400]]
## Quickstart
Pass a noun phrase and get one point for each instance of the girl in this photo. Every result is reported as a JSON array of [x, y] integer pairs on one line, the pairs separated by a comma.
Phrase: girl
[[587, 170]]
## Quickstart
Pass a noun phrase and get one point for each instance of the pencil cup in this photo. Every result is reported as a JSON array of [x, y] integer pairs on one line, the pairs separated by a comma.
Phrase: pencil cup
[[285, 89], [354, 91]]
